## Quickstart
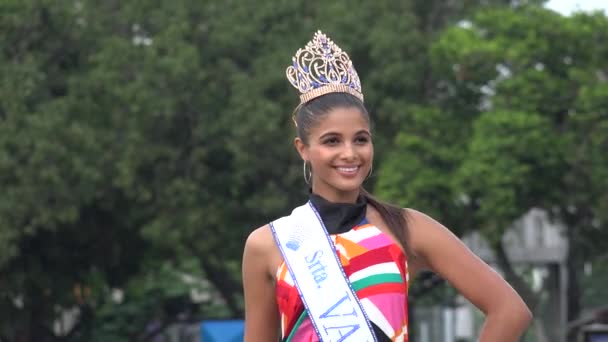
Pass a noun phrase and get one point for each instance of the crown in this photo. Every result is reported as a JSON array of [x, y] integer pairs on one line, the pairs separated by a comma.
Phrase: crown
[[320, 68]]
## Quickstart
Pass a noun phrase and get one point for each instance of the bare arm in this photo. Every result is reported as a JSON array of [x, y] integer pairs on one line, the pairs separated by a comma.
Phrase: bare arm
[[507, 316], [261, 313]]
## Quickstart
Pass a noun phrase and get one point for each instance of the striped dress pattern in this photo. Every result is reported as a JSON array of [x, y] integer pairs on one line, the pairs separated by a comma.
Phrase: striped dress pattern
[[377, 270]]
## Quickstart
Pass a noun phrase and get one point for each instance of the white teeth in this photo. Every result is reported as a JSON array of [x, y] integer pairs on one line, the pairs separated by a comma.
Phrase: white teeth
[[348, 169]]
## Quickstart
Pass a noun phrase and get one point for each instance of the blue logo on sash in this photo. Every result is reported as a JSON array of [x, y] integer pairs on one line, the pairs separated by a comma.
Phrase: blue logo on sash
[[293, 245]]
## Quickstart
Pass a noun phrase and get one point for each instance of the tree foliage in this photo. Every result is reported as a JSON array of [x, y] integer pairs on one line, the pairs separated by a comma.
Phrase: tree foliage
[[516, 122], [140, 142]]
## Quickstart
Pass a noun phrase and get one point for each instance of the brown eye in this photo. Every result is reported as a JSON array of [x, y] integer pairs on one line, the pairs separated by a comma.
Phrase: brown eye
[[362, 140], [331, 141]]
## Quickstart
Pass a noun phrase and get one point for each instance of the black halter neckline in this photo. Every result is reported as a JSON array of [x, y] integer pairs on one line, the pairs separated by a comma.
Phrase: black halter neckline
[[339, 217]]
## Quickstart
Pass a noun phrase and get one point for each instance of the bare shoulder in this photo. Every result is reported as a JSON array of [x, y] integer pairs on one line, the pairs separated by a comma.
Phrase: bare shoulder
[[259, 243], [418, 218], [423, 228], [260, 239], [261, 249], [420, 230]]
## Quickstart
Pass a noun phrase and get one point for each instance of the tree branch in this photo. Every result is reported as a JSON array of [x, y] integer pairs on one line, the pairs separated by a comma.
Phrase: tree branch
[[513, 278], [225, 284]]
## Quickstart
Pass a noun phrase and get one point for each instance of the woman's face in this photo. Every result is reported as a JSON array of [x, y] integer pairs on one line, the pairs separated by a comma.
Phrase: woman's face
[[340, 152]]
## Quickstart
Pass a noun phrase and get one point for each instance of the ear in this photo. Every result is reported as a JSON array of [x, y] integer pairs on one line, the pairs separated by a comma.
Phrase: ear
[[301, 148]]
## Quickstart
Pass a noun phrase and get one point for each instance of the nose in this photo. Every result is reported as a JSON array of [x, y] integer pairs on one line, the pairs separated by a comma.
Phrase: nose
[[349, 152]]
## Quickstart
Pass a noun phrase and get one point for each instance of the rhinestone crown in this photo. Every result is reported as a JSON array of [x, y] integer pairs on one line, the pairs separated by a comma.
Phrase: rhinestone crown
[[321, 67]]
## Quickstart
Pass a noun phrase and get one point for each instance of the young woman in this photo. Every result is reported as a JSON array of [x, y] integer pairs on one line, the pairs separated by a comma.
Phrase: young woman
[[337, 268]]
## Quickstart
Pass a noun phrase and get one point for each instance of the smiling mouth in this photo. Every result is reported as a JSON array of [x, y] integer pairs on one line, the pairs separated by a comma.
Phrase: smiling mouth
[[351, 169]]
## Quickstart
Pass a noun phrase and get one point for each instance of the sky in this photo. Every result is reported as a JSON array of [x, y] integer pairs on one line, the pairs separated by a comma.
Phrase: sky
[[568, 6]]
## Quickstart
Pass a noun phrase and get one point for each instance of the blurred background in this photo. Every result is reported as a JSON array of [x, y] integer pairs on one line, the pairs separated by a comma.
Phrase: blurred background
[[142, 141]]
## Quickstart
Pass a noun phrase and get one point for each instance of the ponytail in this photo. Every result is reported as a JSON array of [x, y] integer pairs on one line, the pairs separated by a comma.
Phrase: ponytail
[[395, 219]]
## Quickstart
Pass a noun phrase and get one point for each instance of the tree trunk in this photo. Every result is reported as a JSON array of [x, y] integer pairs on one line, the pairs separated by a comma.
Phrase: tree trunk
[[514, 279], [532, 299], [225, 284], [574, 267]]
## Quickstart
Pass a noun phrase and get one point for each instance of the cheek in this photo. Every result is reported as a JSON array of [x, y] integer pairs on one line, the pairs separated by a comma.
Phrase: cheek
[[320, 157], [368, 152]]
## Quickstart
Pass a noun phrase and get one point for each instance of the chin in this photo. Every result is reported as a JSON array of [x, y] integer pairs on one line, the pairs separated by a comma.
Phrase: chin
[[348, 186], [339, 185]]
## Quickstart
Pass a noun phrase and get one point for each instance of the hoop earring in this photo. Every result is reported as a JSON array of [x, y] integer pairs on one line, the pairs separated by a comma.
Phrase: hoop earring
[[307, 175]]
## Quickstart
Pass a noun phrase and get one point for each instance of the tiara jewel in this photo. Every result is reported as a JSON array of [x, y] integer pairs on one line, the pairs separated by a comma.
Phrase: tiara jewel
[[321, 67]]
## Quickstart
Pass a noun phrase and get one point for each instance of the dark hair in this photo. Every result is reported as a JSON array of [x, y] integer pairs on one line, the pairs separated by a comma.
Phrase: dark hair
[[310, 114]]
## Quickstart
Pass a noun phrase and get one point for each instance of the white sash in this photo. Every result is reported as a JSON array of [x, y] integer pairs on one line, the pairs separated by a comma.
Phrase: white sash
[[308, 251]]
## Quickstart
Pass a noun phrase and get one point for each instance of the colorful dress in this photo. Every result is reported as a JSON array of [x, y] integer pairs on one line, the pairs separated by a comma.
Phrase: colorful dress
[[377, 269]]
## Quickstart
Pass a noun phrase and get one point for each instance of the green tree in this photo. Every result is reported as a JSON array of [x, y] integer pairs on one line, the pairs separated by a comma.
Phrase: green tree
[[140, 142], [516, 122]]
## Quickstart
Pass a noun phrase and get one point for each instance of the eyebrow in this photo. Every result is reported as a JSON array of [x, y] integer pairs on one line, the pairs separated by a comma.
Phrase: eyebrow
[[363, 131]]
